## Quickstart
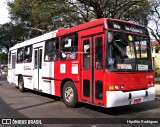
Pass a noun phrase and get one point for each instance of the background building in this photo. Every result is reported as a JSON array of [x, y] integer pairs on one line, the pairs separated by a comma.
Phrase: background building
[[156, 57]]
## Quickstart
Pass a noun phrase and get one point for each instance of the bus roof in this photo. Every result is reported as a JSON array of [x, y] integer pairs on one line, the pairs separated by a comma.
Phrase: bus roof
[[40, 38], [65, 31], [96, 22], [83, 26]]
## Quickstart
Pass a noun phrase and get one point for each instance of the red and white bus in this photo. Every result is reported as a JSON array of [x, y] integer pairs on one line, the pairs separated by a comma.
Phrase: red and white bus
[[105, 62]]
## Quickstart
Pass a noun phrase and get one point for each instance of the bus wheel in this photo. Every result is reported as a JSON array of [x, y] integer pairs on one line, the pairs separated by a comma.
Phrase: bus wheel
[[70, 94], [21, 84]]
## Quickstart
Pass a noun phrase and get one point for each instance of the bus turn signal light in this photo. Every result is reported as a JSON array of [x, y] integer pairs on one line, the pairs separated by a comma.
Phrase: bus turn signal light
[[111, 87], [116, 87]]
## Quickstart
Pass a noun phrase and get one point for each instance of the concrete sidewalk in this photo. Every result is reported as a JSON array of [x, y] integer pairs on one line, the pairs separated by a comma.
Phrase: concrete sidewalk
[[157, 85], [157, 89]]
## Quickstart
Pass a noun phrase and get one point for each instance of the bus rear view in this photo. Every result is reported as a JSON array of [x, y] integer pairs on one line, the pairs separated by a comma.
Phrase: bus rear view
[[129, 72]]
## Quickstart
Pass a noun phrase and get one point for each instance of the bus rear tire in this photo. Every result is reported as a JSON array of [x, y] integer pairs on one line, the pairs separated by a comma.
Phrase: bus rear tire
[[69, 94], [21, 84]]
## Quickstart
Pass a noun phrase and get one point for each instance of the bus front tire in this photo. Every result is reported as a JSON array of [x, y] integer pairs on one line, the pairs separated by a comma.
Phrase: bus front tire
[[21, 84], [69, 94]]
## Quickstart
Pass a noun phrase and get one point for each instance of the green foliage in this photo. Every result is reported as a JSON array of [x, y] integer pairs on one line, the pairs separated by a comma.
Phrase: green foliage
[[49, 14], [133, 10], [40, 14], [20, 11], [11, 34], [3, 58], [52, 14]]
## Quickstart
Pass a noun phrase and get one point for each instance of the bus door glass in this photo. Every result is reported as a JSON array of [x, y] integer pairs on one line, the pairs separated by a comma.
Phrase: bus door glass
[[13, 65], [37, 68], [92, 69], [9, 68]]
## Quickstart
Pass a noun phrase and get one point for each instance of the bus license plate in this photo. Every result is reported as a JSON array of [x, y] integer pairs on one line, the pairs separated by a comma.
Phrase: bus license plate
[[136, 100]]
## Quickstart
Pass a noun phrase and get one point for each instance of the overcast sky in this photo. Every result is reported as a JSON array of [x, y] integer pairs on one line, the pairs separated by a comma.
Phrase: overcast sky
[[4, 17]]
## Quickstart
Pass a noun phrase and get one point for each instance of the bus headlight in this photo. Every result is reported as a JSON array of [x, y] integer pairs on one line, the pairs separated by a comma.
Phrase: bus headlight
[[116, 87], [150, 84]]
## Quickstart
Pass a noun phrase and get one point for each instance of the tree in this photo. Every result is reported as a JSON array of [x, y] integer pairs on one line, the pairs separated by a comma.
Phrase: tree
[[39, 14], [3, 58], [50, 14], [154, 18], [11, 34], [20, 11]]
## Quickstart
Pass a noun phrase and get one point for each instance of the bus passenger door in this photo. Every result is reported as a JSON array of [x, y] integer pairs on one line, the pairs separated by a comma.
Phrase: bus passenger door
[[13, 65], [37, 68], [92, 70], [86, 69], [98, 61]]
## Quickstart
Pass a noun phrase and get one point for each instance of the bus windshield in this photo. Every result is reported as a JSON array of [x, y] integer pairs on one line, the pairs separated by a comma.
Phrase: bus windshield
[[128, 52]]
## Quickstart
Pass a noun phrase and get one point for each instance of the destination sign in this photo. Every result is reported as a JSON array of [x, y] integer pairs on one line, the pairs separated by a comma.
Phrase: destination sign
[[112, 24]]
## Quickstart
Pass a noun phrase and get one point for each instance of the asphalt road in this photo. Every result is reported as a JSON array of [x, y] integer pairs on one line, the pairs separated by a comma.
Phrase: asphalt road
[[35, 105]]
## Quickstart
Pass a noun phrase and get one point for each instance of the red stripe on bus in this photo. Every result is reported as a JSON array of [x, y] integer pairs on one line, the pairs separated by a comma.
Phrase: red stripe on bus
[[25, 75], [50, 78]]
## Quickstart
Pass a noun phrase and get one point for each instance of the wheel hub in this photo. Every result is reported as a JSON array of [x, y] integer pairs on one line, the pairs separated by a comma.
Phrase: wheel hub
[[69, 94]]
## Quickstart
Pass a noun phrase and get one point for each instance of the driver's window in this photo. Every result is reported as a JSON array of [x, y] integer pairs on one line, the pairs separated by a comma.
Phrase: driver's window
[[130, 50], [117, 43]]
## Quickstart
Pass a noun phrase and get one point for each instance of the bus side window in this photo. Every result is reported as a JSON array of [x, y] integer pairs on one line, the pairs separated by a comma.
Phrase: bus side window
[[20, 53], [28, 54], [51, 50], [69, 47]]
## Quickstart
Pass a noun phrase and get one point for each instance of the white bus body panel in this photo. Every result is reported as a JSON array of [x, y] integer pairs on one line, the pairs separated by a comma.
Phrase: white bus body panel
[[37, 72], [11, 68], [27, 70], [48, 69], [9, 73]]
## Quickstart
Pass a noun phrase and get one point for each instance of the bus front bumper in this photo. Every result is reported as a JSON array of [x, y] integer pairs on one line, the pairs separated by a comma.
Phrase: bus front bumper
[[120, 98]]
